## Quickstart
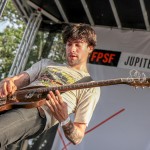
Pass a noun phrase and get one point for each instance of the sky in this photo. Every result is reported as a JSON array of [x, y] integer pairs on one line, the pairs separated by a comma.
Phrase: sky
[[3, 25]]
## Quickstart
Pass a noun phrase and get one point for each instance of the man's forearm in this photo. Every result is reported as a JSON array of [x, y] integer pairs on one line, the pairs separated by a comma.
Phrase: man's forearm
[[72, 133], [21, 80]]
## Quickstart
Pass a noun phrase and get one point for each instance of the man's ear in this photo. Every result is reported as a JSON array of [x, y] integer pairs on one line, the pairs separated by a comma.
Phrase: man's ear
[[91, 48]]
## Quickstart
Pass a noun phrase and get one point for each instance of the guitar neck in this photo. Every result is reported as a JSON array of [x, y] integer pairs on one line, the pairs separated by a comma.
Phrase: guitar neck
[[91, 84], [36, 93], [76, 86]]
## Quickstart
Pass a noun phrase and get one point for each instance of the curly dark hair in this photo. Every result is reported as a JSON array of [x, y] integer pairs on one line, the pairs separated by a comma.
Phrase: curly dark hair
[[79, 31]]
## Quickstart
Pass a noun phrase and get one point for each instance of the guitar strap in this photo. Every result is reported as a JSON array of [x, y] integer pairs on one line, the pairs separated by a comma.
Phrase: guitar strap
[[85, 79]]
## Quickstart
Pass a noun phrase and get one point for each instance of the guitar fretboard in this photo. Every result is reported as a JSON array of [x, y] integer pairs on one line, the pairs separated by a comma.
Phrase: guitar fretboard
[[36, 93]]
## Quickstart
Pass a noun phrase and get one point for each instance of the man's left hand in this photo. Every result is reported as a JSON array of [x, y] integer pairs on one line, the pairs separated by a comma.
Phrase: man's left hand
[[57, 106]]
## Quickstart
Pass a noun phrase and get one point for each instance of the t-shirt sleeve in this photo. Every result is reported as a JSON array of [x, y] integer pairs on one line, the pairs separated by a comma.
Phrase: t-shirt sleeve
[[35, 70], [86, 105]]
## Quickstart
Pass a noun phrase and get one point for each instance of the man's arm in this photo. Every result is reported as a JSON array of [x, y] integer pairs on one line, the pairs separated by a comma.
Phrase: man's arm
[[73, 131], [11, 84]]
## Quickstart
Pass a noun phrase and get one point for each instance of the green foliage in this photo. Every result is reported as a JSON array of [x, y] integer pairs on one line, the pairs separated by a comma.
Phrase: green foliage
[[46, 45], [57, 52], [10, 38], [11, 14], [9, 41]]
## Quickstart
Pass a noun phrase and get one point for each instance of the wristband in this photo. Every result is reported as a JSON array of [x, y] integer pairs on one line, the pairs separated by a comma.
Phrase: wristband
[[63, 123]]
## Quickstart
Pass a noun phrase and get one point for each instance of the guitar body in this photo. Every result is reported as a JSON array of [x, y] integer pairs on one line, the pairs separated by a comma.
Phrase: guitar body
[[12, 104]]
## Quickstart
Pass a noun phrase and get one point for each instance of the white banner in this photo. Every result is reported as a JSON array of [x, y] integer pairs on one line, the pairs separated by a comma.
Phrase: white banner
[[135, 61], [121, 120]]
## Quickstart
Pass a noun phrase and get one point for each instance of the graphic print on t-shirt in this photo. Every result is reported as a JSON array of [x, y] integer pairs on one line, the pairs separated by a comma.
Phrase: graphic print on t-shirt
[[53, 76]]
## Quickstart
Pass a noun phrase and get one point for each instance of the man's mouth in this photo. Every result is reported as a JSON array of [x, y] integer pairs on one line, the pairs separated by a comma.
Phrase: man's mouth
[[73, 56]]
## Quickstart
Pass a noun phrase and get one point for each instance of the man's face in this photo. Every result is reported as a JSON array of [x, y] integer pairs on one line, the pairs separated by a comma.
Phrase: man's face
[[77, 52]]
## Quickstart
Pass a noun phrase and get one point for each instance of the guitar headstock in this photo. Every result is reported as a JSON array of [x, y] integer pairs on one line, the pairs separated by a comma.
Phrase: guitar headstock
[[138, 82]]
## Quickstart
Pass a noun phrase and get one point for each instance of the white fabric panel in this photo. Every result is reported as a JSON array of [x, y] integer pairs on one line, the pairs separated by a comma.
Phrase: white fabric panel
[[122, 116], [123, 40]]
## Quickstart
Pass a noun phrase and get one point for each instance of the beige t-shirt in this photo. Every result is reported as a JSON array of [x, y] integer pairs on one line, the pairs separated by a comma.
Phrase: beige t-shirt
[[82, 102]]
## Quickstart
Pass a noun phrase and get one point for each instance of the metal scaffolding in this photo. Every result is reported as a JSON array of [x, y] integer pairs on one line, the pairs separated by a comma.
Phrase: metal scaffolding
[[2, 6], [24, 49]]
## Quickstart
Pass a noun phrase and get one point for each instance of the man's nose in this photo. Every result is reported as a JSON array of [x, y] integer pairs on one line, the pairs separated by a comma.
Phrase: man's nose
[[72, 48]]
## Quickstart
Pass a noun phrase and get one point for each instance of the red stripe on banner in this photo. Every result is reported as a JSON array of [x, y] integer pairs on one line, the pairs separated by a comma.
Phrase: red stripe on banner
[[61, 137], [117, 113]]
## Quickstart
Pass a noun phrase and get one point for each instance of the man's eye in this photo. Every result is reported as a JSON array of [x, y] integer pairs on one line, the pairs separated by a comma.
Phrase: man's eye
[[78, 45]]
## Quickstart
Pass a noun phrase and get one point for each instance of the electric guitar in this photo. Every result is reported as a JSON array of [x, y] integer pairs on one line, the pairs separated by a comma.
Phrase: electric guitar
[[36, 96]]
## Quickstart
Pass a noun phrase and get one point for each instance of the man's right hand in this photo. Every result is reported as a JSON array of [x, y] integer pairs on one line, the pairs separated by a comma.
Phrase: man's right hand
[[7, 87]]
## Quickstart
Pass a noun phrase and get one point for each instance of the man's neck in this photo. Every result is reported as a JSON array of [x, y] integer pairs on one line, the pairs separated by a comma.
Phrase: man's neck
[[80, 68]]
